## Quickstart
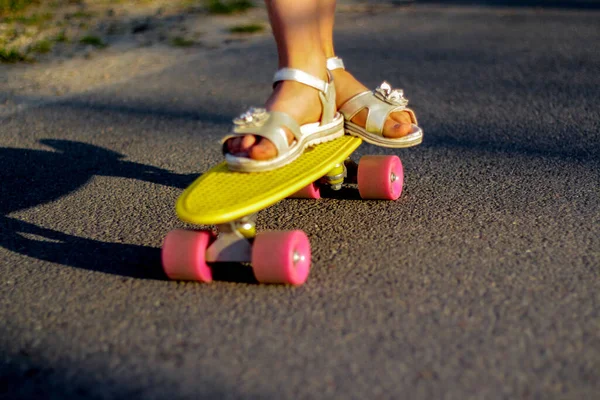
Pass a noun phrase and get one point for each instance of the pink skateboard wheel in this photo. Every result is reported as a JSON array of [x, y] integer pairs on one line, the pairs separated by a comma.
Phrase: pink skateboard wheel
[[281, 257], [380, 177], [311, 191], [183, 255]]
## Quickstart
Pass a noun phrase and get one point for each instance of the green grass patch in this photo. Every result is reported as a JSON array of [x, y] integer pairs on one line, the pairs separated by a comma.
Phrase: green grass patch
[[61, 37], [33, 19], [10, 34], [179, 41], [81, 15], [248, 28], [12, 55], [41, 47], [12, 6], [93, 41], [228, 6]]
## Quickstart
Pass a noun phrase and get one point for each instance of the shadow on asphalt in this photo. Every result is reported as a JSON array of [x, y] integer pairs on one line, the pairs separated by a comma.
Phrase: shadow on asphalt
[[53, 175], [26, 376], [38, 177], [569, 152], [142, 110], [437, 135]]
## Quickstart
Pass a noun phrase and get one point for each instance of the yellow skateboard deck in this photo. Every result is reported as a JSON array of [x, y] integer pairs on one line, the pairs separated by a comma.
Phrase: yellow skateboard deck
[[220, 195]]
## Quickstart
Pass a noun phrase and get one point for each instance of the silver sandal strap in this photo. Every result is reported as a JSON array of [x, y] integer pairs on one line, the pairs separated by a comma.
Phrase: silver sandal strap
[[378, 111], [291, 74], [326, 89], [335, 63], [271, 129]]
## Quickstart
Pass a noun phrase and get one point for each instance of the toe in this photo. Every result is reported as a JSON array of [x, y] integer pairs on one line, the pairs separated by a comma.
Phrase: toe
[[393, 129], [247, 142], [263, 150], [402, 117], [398, 125], [233, 145]]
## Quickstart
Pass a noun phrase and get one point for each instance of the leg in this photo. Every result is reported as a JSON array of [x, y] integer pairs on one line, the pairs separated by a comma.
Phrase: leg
[[398, 124], [295, 26]]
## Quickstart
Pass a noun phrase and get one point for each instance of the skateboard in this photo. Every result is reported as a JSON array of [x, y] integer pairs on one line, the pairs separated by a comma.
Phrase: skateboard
[[230, 200]]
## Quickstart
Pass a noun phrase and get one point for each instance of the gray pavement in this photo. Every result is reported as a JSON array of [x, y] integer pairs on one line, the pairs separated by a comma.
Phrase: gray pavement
[[481, 282]]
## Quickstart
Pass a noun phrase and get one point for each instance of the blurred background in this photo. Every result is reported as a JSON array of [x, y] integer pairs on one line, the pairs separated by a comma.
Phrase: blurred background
[[41, 30]]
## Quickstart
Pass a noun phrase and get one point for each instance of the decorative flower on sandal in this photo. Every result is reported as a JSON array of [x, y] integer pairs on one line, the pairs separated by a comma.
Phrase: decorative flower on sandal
[[391, 96], [254, 116]]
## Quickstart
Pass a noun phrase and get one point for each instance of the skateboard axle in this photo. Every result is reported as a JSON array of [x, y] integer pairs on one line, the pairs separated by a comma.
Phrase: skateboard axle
[[233, 243], [297, 257]]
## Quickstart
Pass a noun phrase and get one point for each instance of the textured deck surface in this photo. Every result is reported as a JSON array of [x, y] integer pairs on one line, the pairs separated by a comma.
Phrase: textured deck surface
[[221, 195]]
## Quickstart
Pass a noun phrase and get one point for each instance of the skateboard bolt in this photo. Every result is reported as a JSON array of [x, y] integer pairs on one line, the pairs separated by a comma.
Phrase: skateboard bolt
[[298, 257], [393, 177]]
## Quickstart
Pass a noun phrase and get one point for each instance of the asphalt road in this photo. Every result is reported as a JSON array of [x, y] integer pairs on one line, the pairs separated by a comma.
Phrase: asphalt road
[[481, 282]]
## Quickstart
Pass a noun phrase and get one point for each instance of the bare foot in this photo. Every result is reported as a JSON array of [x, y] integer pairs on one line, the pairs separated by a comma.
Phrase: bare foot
[[299, 101], [398, 123]]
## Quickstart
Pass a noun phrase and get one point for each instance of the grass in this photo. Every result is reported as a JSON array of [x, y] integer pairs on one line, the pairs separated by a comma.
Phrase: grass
[[12, 55], [38, 23], [10, 34], [228, 6], [41, 47], [61, 37], [80, 15], [12, 6], [248, 28], [179, 41], [33, 19], [93, 41]]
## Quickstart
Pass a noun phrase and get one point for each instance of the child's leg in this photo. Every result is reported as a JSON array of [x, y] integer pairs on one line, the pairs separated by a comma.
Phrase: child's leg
[[295, 26], [398, 124]]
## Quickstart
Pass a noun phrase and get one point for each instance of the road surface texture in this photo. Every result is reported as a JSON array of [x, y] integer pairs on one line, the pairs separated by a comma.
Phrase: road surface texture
[[481, 282]]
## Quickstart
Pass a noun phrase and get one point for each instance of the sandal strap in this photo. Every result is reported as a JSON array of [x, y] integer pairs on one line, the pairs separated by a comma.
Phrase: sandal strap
[[335, 63], [291, 74], [326, 89], [271, 129], [378, 110]]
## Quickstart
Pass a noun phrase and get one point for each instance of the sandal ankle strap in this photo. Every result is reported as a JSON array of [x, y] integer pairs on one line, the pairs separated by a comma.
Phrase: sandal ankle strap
[[335, 63], [326, 89], [291, 74]]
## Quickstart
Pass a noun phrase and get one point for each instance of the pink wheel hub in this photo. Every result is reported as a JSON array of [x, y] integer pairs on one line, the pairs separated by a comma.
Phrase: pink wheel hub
[[311, 191], [380, 177], [183, 255], [281, 257]]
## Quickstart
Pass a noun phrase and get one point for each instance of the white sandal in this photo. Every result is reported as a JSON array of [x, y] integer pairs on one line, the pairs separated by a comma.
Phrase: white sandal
[[380, 103], [270, 124]]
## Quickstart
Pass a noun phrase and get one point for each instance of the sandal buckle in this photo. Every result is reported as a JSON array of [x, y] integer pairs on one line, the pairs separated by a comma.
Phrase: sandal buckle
[[254, 116]]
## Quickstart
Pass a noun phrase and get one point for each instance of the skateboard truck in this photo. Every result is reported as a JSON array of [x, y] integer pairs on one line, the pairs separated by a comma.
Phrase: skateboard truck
[[340, 172], [234, 241]]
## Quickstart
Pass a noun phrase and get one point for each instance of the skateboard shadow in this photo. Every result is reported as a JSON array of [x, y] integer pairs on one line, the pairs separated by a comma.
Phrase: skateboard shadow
[[345, 193], [31, 178], [50, 245], [234, 272], [50, 175]]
